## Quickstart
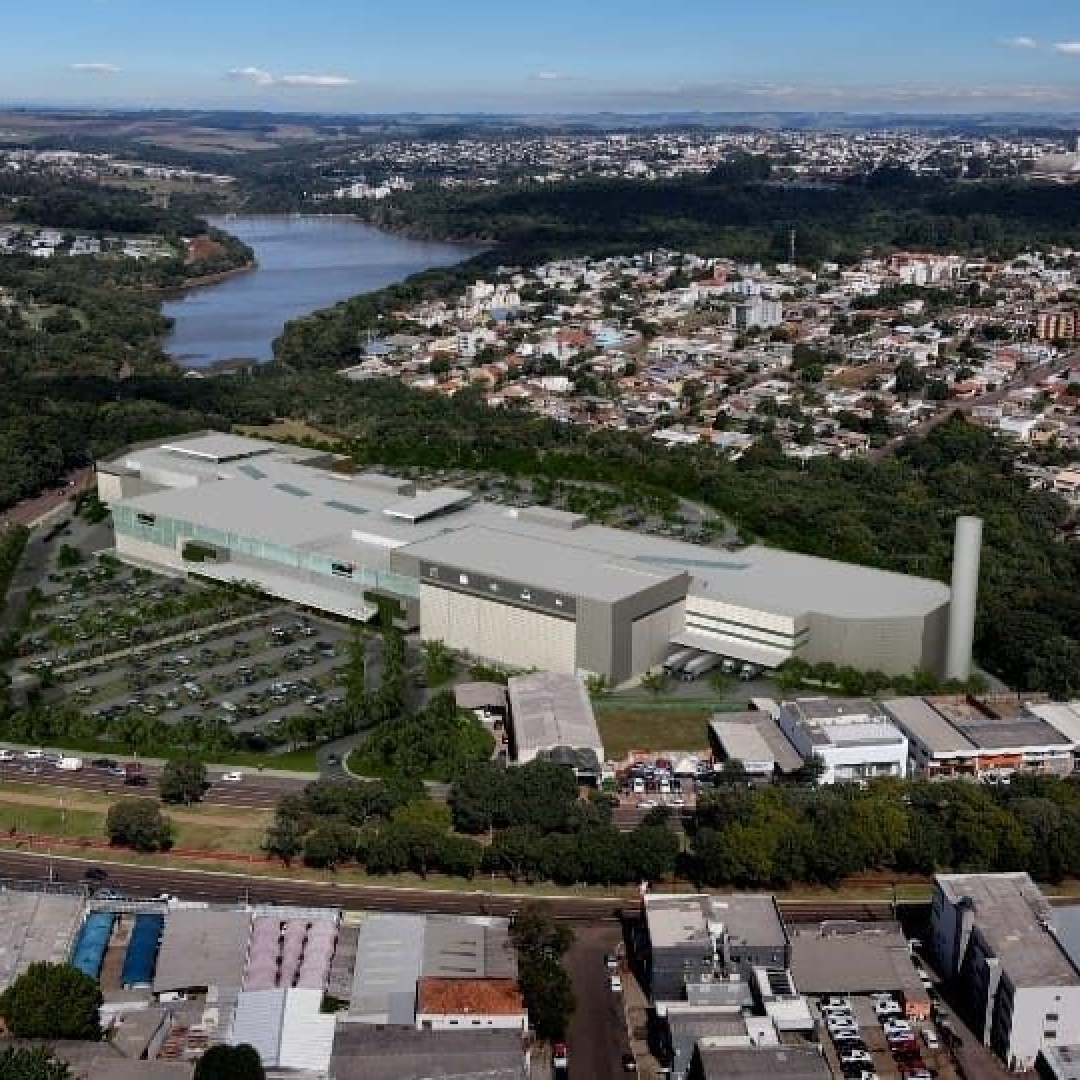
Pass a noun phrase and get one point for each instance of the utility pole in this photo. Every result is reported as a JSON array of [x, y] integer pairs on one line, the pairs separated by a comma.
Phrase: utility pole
[[791, 247]]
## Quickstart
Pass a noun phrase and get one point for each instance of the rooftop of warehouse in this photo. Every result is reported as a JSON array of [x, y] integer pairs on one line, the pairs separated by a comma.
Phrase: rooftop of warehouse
[[762, 1062], [925, 726], [746, 919], [1014, 919], [364, 1052], [282, 494], [202, 947], [549, 709]]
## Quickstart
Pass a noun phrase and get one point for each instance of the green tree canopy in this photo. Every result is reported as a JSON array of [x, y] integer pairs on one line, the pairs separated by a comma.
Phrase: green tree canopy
[[223, 1062], [52, 1001], [138, 824], [182, 781], [32, 1063]]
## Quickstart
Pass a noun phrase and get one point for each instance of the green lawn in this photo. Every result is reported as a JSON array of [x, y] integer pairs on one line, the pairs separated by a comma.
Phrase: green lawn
[[623, 730]]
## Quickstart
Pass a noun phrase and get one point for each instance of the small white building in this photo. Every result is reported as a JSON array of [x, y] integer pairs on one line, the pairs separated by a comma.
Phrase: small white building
[[855, 740]]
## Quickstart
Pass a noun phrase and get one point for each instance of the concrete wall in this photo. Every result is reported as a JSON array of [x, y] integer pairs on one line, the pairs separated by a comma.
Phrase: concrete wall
[[894, 645], [620, 640], [498, 632], [1030, 1008]]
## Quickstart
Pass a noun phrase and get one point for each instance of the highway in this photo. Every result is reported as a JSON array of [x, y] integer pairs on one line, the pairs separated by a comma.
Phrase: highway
[[253, 791], [147, 881]]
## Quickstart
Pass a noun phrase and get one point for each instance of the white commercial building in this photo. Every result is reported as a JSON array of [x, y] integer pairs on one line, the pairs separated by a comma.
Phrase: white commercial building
[[995, 934], [551, 713], [854, 740]]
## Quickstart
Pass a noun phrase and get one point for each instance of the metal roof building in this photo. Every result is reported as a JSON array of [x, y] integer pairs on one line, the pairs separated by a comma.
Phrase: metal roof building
[[549, 711], [528, 587], [366, 1053], [202, 948], [287, 1027], [36, 927], [291, 950], [395, 951]]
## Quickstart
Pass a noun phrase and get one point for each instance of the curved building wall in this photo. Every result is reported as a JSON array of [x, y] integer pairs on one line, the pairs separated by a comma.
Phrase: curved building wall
[[896, 645]]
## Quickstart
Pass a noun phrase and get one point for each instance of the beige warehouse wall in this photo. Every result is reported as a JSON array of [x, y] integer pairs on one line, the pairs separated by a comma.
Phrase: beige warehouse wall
[[498, 632]]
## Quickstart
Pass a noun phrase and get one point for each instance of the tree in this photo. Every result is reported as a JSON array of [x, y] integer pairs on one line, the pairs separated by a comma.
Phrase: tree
[[719, 682], [138, 824], [549, 996], [536, 933], [222, 1062], [52, 1001], [285, 838], [32, 1063], [182, 781], [656, 682]]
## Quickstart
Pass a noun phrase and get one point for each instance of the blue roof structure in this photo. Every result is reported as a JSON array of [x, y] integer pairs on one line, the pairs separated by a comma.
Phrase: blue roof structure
[[140, 960], [89, 952]]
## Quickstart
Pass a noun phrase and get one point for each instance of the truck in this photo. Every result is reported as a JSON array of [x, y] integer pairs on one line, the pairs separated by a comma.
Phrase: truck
[[699, 666], [70, 764], [678, 660]]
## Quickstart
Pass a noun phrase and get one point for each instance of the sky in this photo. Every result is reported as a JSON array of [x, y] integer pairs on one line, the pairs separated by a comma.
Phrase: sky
[[552, 56]]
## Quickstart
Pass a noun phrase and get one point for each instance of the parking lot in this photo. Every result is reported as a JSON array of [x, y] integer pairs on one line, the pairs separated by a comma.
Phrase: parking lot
[[120, 642], [872, 1037]]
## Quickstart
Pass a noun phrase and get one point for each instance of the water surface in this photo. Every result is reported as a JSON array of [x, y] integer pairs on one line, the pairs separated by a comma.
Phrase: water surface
[[304, 263]]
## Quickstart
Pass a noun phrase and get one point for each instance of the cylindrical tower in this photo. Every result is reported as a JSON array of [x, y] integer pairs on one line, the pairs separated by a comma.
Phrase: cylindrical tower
[[967, 547]]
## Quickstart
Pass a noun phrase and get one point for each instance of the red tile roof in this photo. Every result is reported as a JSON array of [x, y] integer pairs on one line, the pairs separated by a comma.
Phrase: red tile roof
[[469, 996]]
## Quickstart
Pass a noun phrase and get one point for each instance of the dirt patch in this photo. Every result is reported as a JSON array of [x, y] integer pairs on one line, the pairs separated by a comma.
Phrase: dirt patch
[[203, 247], [624, 730]]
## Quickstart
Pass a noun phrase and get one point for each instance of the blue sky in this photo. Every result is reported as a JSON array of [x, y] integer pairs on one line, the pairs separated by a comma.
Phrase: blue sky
[[548, 56]]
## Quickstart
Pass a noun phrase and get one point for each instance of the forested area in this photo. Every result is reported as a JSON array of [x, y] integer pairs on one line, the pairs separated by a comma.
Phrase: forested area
[[741, 217], [753, 837]]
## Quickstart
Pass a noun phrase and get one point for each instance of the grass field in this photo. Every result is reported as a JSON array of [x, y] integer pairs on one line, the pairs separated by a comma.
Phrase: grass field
[[284, 429], [36, 808], [623, 730]]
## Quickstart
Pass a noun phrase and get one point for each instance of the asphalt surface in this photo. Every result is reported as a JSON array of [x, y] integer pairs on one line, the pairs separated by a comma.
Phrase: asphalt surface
[[596, 1038], [253, 791], [147, 881], [31, 510]]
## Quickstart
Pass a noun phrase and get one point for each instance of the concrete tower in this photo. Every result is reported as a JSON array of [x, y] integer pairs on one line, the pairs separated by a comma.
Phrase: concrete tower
[[967, 547]]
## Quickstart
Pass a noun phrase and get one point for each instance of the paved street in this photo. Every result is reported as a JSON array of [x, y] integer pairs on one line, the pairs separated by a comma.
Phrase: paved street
[[596, 1037]]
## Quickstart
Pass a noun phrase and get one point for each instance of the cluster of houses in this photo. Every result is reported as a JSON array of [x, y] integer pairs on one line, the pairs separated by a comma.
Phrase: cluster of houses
[[834, 360], [44, 243]]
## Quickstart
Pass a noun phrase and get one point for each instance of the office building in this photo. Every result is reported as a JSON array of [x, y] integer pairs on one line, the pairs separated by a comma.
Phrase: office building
[[693, 939], [853, 740], [995, 935]]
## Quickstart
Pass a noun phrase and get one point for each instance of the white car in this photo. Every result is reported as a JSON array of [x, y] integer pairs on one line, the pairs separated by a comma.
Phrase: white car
[[856, 1057], [615, 984], [931, 1039], [6, 755], [33, 755], [895, 1028], [232, 777]]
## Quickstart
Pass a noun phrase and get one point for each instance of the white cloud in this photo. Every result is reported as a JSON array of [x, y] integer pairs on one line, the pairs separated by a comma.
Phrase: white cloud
[[95, 69], [1069, 48], [549, 76], [315, 80], [259, 77], [250, 74], [1020, 42]]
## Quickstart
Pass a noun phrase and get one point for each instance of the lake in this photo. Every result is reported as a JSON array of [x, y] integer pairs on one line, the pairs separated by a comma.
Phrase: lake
[[304, 263]]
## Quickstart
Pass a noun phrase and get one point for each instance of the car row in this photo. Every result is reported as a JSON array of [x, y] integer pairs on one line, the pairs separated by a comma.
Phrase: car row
[[902, 1038], [854, 1055]]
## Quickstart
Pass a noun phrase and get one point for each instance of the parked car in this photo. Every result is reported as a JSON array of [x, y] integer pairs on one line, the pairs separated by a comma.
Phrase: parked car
[[103, 763], [629, 1063], [615, 984], [7, 755], [856, 1057], [232, 777], [931, 1039]]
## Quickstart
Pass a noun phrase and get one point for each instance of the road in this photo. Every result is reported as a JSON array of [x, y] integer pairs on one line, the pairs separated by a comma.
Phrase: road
[[147, 881], [29, 511], [596, 1037], [253, 791]]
